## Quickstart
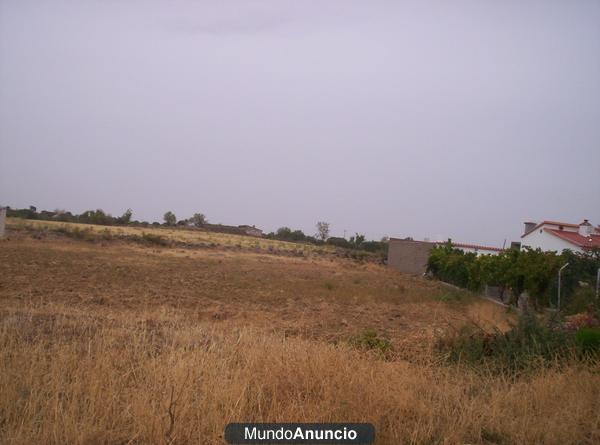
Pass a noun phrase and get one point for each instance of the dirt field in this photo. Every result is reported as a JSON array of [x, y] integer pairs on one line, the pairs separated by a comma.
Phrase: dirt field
[[113, 342]]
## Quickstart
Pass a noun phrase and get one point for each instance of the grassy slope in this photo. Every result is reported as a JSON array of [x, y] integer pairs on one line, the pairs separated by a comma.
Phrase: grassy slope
[[191, 236], [95, 337]]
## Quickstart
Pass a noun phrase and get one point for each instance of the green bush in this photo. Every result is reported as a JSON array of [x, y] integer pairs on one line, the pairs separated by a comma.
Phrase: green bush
[[369, 340], [582, 300], [588, 340], [528, 270], [451, 265], [530, 343], [339, 242]]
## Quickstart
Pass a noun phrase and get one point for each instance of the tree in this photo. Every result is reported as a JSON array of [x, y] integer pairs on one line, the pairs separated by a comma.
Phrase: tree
[[198, 219], [283, 232], [339, 242], [357, 240], [125, 218], [322, 230], [170, 218], [96, 217]]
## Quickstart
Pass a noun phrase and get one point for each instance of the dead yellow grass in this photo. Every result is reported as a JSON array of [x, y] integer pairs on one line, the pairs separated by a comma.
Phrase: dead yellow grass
[[83, 379], [192, 236], [314, 298], [98, 343]]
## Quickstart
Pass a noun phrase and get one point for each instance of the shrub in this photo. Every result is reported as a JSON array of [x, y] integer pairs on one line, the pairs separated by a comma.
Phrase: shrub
[[339, 242], [369, 340], [154, 239], [374, 246], [359, 255], [582, 300], [451, 265], [588, 340], [82, 234], [529, 344], [452, 295]]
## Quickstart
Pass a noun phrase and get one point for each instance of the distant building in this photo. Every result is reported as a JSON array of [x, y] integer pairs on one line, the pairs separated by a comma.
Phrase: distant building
[[409, 256], [250, 230], [558, 236]]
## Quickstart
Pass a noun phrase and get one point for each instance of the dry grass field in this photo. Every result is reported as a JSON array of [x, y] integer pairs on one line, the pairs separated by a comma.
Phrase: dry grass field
[[115, 342], [189, 236]]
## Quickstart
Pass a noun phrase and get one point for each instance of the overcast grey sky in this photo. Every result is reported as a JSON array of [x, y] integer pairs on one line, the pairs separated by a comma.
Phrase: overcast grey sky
[[424, 119]]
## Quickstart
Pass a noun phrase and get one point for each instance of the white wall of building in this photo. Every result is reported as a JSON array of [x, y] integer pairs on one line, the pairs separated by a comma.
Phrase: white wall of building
[[541, 239], [477, 251]]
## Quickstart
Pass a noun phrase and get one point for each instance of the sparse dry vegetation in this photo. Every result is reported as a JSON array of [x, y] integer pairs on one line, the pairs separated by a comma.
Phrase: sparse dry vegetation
[[119, 342], [183, 236]]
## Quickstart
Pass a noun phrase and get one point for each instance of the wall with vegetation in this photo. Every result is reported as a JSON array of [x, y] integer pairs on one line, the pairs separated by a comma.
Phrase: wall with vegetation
[[514, 271]]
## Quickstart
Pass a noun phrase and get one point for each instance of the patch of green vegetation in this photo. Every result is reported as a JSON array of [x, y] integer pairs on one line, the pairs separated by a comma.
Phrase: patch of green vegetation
[[370, 340], [588, 340], [531, 343], [157, 240], [453, 295], [582, 300], [82, 234], [356, 255], [516, 271]]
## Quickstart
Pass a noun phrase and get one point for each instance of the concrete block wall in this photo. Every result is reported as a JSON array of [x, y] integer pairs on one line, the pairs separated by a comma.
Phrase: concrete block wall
[[409, 256]]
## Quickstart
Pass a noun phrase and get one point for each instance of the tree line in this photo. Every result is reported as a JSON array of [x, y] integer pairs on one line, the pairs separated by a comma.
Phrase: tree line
[[357, 242], [199, 220], [100, 217]]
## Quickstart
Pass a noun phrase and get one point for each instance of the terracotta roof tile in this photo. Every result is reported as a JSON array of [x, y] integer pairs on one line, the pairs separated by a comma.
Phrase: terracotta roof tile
[[477, 246], [586, 242], [553, 223]]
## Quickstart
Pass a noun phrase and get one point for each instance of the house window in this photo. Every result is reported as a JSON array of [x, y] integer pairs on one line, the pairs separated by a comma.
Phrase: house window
[[540, 230]]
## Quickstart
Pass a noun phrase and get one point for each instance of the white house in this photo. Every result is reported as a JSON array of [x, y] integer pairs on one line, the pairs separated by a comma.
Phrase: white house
[[558, 236]]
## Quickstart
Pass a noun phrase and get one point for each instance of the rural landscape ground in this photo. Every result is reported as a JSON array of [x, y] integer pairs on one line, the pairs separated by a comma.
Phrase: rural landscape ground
[[105, 339]]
